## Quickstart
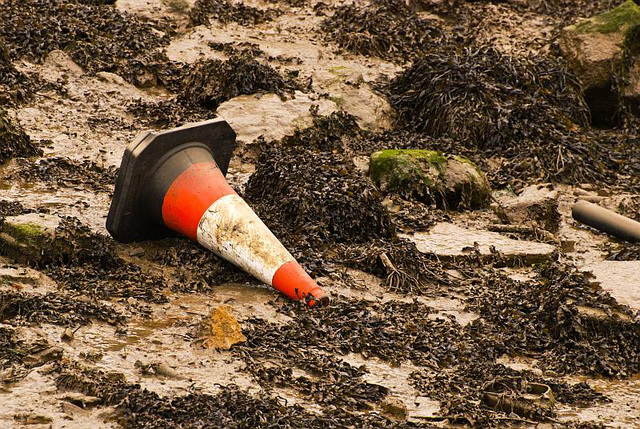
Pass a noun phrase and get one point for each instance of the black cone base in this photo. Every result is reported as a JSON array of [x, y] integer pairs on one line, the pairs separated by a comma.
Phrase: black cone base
[[128, 218]]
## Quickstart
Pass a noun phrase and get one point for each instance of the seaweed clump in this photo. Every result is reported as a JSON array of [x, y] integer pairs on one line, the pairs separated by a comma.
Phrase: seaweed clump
[[626, 252], [212, 82], [387, 29], [479, 393], [198, 270], [91, 266], [560, 319], [65, 172], [528, 111], [60, 309], [14, 142], [207, 84], [226, 11], [96, 37], [334, 133], [15, 86], [229, 407], [321, 199]]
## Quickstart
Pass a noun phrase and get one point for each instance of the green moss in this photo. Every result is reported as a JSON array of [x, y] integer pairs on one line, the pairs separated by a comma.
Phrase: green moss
[[25, 232], [338, 100], [413, 173], [423, 175], [465, 160], [626, 15], [434, 157]]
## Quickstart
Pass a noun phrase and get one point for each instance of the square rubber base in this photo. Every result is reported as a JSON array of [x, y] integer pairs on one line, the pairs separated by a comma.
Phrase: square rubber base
[[125, 222]]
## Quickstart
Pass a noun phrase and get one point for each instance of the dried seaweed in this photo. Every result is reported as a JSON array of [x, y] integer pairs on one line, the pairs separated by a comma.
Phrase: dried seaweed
[[544, 319], [212, 82], [321, 199], [328, 380], [12, 208], [528, 111], [569, 10], [168, 113], [625, 252], [14, 142], [226, 11], [463, 393], [98, 38], [231, 407], [333, 133], [15, 86], [198, 270], [61, 309], [90, 266], [387, 29], [392, 331], [404, 268], [67, 173]]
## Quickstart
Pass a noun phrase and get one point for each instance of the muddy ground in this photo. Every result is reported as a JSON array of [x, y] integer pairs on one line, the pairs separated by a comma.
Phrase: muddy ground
[[438, 317]]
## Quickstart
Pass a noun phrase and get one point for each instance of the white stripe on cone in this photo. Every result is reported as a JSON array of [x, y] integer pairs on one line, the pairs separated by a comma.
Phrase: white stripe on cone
[[230, 229]]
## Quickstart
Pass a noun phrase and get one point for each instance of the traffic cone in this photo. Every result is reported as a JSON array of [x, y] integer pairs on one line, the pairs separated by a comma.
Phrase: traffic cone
[[174, 182]]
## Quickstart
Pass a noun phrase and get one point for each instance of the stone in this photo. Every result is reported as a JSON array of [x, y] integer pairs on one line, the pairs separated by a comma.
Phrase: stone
[[451, 242], [32, 419], [430, 177], [24, 237], [536, 206], [620, 279], [81, 400], [222, 330], [59, 62], [111, 78], [394, 408], [270, 116], [595, 49]]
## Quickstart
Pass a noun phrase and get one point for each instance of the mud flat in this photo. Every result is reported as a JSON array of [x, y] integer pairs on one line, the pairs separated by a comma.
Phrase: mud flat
[[507, 314]]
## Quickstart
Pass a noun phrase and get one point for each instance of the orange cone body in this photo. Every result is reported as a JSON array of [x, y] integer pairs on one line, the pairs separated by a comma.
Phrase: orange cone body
[[201, 205]]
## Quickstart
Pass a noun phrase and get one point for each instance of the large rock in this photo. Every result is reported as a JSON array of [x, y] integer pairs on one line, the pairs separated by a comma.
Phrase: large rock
[[536, 206], [270, 116], [595, 49], [31, 238], [430, 177]]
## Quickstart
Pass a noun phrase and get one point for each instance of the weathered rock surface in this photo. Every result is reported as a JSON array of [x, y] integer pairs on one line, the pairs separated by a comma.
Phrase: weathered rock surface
[[270, 116], [449, 241], [595, 50], [536, 206], [621, 279], [430, 177]]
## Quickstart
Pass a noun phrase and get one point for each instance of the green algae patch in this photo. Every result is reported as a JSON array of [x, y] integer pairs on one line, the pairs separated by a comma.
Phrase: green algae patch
[[430, 177], [626, 15], [26, 232]]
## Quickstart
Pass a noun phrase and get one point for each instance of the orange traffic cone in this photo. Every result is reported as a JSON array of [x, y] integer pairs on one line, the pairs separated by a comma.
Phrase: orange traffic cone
[[174, 181]]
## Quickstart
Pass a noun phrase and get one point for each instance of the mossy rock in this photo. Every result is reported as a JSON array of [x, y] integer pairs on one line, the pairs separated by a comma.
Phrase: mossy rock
[[619, 19], [31, 239], [430, 177]]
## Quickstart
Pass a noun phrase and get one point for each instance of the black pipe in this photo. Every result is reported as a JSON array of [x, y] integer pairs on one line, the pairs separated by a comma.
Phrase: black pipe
[[606, 221]]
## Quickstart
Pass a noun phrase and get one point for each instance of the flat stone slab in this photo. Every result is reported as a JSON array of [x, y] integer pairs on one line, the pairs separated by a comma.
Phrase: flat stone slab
[[452, 242], [621, 279]]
